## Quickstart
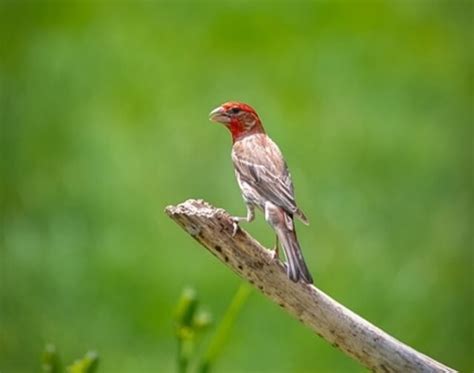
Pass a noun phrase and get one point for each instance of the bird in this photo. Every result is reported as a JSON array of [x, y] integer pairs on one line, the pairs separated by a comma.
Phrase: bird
[[265, 182]]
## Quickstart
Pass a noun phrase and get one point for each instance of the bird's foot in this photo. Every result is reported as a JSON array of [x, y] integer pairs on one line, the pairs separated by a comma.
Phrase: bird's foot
[[235, 224], [235, 228], [236, 219], [276, 253]]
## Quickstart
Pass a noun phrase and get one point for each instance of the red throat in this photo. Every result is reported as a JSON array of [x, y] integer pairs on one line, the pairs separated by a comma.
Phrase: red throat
[[238, 129]]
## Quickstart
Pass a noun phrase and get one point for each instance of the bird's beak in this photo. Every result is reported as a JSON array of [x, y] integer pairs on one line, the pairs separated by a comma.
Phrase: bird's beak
[[219, 115]]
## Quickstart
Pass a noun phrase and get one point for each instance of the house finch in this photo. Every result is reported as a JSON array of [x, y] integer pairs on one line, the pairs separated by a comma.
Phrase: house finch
[[264, 180]]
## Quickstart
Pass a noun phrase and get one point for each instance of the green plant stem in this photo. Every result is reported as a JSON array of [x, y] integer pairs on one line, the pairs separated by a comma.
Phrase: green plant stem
[[224, 328], [182, 356]]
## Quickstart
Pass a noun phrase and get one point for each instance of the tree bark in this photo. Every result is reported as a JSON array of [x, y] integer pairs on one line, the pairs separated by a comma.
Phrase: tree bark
[[356, 337]]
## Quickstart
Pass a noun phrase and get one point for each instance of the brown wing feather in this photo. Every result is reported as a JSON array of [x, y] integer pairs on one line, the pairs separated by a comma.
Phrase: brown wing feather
[[259, 162]]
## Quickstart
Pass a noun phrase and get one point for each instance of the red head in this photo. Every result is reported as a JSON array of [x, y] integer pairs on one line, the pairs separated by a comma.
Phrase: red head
[[239, 118]]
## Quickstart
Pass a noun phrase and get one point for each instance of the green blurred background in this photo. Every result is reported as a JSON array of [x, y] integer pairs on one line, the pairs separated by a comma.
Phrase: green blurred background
[[104, 122]]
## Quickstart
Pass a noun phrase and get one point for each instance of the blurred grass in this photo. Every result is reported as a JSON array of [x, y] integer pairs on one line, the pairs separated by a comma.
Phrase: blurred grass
[[103, 112]]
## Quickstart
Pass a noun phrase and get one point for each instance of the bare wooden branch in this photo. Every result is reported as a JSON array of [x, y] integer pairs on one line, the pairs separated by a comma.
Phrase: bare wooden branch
[[353, 335]]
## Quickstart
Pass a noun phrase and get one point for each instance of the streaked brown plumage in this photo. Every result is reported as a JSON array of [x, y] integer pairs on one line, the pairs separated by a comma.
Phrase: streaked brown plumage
[[264, 180]]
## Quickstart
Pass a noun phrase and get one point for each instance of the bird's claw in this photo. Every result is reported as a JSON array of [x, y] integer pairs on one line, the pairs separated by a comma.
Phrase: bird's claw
[[276, 254], [276, 251], [235, 227]]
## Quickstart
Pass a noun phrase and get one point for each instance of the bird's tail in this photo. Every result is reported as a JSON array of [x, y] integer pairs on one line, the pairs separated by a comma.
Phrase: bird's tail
[[297, 268]]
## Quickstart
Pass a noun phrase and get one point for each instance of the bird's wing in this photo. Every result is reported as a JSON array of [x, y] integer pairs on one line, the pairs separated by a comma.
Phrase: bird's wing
[[259, 162]]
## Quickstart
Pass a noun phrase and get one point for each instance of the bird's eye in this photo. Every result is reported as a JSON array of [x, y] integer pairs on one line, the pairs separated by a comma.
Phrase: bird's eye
[[235, 110]]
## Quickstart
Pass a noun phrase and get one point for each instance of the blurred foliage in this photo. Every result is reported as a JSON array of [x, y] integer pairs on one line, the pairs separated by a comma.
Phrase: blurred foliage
[[50, 359], [88, 364], [224, 328], [103, 114], [191, 322], [51, 362]]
